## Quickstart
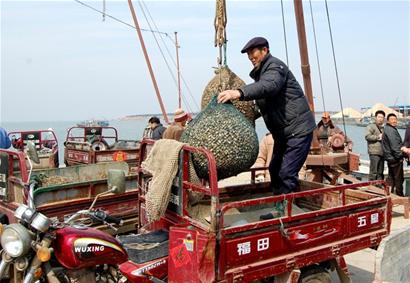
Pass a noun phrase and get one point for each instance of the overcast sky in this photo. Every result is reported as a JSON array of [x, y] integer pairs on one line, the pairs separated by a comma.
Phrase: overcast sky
[[60, 61]]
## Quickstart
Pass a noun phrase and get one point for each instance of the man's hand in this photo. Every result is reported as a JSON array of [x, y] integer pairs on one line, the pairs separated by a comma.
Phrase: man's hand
[[228, 95], [380, 137]]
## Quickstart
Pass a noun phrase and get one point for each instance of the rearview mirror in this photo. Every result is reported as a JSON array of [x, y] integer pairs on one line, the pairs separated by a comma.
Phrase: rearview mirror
[[32, 152], [116, 181]]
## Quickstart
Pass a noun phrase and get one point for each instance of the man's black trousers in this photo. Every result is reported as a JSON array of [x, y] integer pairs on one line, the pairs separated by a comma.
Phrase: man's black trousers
[[376, 167], [396, 177], [287, 158]]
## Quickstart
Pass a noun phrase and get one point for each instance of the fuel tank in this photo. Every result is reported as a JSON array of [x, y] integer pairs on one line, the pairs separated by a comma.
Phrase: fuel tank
[[77, 248]]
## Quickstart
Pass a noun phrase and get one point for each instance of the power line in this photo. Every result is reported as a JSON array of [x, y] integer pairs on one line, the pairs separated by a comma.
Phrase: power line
[[116, 19]]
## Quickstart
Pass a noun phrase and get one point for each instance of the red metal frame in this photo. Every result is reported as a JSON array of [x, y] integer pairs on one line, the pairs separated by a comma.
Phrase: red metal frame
[[21, 159], [299, 240], [77, 149], [10, 134], [84, 137]]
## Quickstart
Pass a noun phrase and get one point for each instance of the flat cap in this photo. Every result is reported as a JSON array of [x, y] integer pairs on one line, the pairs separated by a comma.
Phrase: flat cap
[[255, 42]]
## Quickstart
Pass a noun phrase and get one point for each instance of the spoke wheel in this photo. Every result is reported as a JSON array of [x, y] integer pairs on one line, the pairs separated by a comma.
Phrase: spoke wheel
[[315, 274]]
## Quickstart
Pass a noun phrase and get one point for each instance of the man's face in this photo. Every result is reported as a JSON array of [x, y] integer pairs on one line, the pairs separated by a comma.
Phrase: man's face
[[392, 121], [379, 119], [326, 120], [152, 125], [256, 55]]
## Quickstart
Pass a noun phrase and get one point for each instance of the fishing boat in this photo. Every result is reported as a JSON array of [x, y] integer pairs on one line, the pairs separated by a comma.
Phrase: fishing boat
[[93, 123], [363, 122]]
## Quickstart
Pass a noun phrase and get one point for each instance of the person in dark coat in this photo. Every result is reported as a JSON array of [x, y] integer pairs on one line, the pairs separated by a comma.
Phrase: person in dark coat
[[157, 130], [284, 109], [374, 133], [392, 148]]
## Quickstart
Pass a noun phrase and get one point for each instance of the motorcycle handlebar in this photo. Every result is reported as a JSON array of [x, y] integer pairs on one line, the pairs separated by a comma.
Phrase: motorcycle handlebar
[[101, 215], [112, 219]]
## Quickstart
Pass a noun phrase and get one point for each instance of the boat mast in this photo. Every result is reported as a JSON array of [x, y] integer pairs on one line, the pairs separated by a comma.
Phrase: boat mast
[[147, 60], [304, 57], [178, 71]]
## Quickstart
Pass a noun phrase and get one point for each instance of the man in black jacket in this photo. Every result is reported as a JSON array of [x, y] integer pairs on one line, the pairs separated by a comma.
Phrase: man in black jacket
[[392, 148], [284, 109], [156, 128]]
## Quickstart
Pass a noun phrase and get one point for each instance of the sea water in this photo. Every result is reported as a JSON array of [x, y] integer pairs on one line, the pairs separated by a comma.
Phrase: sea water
[[133, 129]]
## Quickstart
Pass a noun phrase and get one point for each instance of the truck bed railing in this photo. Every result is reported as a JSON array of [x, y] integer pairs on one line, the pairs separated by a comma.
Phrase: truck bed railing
[[210, 188], [290, 198]]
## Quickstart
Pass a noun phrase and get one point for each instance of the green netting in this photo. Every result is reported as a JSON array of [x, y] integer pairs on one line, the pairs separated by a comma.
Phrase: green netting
[[223, 130]]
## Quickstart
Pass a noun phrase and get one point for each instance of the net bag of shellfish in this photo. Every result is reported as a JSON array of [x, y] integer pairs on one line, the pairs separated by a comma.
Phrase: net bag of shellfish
[[223, 130], [226, 79]]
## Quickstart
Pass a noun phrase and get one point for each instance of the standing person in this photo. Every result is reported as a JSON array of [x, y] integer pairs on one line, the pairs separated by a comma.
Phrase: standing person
[[4, 139], [374, 133], [175, 130], [264, 158], [392, 148], [330, 136], [157, 129], [286, 113]]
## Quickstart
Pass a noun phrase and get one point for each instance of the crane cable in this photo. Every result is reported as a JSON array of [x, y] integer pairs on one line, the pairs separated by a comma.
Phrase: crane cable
[[172, 59], [317, 57], [336, 72], [284, 33]]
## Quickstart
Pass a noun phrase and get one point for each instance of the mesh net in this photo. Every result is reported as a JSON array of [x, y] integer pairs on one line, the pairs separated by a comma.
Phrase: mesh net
[[231, 138]]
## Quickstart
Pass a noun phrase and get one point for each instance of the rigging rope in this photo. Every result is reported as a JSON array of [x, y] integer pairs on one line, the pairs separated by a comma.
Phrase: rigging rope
[[336, 72], [158, 45], [146, 30], [172, 59], [317, 57], [284, 33]]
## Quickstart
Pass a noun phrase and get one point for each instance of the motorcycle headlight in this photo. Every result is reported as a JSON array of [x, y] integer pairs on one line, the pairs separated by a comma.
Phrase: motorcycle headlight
[[16, 240]]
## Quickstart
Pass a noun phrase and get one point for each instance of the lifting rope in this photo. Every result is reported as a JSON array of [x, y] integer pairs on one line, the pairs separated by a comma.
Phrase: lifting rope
[[317, 57], [284, 33], [220, 30], [336, 72], [220, 37]]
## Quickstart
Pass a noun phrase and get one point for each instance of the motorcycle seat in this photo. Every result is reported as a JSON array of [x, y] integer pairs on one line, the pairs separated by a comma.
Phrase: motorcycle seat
[[146, 247]]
